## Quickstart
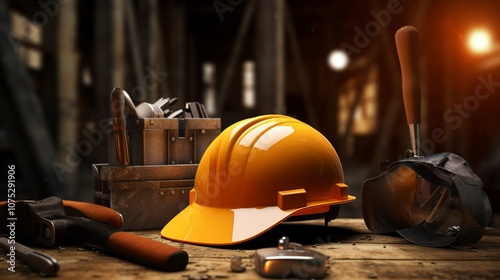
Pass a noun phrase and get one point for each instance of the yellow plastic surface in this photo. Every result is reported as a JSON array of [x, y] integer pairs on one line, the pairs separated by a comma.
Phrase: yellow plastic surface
[[292, 199], [235, 195]]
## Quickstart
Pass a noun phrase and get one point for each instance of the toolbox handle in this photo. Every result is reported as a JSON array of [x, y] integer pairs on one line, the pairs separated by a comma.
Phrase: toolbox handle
[[148, 252], [407, 48]]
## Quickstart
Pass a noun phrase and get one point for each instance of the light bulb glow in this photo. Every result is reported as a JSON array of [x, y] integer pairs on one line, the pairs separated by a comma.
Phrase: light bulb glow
[[338, 60], [479, 41]]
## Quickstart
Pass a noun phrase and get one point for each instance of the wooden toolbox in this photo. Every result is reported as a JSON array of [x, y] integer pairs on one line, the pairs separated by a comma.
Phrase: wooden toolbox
[[164, 156]]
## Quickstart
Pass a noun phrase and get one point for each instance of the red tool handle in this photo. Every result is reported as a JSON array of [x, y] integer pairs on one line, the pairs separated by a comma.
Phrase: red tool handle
[[148, 252], [96, 212], [407, 47], [92, 211]]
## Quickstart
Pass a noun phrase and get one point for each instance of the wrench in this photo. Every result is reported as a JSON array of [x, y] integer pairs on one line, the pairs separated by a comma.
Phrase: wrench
[[38, 261]]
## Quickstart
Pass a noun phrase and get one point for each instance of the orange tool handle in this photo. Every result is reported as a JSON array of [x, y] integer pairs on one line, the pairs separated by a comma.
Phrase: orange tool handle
[[92, 211], [407, 47], [148, 252], [97, 212]]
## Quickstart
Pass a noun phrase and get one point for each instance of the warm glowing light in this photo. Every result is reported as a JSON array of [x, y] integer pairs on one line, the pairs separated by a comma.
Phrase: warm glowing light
[[480, 41], [338, 60]]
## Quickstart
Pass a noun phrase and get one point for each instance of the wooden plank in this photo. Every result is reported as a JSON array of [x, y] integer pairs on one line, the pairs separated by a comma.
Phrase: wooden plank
[[279, 17], [24, 119], [137, 58], [102, 67], [414, 269], [67, 88], [178, 16], [154, 50], [300, 68], [234, 56], [119, 44], [270, 53], [49, 75], [354, 253]]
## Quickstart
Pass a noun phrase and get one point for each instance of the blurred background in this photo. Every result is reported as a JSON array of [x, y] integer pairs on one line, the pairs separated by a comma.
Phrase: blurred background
[[332, 64]]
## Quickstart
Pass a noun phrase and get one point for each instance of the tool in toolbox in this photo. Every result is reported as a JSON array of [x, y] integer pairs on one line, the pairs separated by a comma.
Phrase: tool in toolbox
[[119, 126], [48, 222], [155, 110], [45, 264], [159, 109], [257, 173], [431, 200], [164, 146], [290, 259]]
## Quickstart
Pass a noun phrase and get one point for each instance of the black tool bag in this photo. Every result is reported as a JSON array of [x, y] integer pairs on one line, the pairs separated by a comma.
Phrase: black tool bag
[[432, 201]]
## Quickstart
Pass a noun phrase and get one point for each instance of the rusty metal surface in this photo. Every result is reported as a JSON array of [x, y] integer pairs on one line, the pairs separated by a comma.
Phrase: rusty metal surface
[[147, 196], [154, 141], [164, 155], [148, 205], [146, 172]]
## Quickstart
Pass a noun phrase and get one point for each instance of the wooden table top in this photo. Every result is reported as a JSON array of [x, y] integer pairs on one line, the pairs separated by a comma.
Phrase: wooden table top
[[354, 253]]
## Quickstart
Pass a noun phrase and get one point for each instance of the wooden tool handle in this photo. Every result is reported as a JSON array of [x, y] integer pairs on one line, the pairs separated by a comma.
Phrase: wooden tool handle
[[91, 211], [148, 252], [407, 47], [96, 212], [120, 126]]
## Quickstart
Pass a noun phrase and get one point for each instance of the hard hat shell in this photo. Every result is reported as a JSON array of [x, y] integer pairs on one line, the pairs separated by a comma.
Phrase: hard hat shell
[[255, 174]]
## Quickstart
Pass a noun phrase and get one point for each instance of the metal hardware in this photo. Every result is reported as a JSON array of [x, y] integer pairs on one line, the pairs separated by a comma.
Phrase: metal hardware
[[129, 104], [148, 110], [290, 259], [175, 114], [415, 139], [236, 264], [38, 261]]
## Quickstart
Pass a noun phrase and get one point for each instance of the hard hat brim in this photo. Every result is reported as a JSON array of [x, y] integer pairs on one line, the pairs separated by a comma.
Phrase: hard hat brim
[[198, 224]]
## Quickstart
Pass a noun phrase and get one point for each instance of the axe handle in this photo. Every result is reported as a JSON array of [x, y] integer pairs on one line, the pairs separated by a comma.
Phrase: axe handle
[[147, 252]]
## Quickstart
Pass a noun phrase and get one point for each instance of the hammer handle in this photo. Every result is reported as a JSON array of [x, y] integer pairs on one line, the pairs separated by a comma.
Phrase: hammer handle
[[147, 252], [120, 126], [407, 47], [92, 211], [96, 212]]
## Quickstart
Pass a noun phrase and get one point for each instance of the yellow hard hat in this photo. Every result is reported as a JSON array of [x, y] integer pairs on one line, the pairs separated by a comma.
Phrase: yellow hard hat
[[255, 174]]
